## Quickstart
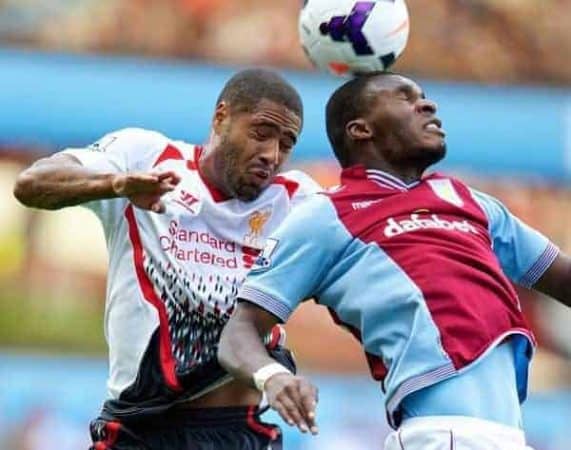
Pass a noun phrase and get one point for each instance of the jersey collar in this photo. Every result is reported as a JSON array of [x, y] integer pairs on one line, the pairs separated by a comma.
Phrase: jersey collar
[[379, 177]]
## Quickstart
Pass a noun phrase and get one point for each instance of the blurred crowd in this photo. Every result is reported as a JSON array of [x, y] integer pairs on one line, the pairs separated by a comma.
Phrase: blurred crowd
[[482, 40]]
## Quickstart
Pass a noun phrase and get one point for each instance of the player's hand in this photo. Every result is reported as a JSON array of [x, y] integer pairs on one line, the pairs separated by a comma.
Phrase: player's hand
[[144, 190], [295, 399]]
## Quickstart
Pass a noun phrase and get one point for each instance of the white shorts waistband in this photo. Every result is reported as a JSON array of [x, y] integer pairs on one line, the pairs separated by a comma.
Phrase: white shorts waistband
[[466, 426]]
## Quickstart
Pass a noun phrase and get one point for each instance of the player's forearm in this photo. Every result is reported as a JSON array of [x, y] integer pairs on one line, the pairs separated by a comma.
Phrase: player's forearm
[[51, 185], [241, 350]]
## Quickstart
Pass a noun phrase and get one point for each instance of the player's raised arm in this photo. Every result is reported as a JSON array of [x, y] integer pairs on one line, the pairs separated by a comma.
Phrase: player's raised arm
[[74, 177], [291, 268], [59, 181]]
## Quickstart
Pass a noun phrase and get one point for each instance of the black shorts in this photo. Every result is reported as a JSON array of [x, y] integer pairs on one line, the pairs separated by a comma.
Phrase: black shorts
[[236, 428]]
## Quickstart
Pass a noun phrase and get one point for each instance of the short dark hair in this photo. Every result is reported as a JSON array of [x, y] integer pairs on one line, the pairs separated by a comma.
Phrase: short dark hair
[[245, 90], [347, 103]]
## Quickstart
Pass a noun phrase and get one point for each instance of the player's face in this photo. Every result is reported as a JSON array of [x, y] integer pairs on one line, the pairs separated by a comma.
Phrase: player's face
[[404, 122], [255, 145]]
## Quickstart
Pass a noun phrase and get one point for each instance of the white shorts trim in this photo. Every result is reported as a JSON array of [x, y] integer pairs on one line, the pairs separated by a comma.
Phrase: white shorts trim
[[454, 433]]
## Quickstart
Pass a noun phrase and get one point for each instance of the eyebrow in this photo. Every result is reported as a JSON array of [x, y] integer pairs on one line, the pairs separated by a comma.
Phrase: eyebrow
[[266, 123]]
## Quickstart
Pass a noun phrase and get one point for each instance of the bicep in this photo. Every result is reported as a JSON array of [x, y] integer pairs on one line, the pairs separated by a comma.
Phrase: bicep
[[51, 164], [126, 150], [60, 159], [260, 318]]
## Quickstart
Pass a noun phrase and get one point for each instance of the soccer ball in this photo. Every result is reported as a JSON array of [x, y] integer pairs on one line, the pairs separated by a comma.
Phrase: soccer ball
[[349, 37]]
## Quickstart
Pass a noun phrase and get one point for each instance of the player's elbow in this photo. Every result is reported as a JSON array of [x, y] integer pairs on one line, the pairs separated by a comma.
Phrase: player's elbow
[[24, 188], [31, 191]]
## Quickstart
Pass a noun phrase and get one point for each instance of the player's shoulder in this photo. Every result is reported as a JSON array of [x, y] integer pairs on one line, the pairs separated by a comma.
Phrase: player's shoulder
[[314, 220], [297, 183], [130, 142], [316, 208], [139, 135], [342, 196], [154, 147]]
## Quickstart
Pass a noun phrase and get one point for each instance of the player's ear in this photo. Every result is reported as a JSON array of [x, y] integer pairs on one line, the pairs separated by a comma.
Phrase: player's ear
[[359, 130], [221, 113]]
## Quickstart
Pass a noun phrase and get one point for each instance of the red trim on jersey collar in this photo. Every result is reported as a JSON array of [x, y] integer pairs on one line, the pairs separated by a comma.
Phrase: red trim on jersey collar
[[192, 164], [170, 152], [290, 185], [217, 194]]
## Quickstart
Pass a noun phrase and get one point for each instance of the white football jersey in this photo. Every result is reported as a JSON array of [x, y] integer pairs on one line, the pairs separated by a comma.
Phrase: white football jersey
[[173, 277]]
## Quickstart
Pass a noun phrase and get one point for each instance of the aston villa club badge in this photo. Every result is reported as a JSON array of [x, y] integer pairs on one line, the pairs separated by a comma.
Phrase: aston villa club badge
[[445, 190]]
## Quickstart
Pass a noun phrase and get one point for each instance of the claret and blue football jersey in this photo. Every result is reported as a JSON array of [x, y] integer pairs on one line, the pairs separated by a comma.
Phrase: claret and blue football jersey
[[421, 274]]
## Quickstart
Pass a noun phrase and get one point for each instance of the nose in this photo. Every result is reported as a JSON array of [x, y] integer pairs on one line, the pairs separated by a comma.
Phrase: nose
[[271, 153], [425, 106]]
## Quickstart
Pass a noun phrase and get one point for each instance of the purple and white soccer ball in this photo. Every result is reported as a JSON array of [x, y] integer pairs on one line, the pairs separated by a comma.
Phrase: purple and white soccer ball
[[348, 37]]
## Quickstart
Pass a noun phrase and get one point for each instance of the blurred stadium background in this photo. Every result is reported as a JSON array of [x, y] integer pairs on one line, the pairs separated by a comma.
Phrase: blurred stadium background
[[71, 70]]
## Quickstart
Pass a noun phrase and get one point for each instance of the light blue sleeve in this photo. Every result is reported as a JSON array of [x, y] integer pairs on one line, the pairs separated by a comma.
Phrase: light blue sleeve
[[296, 258], [524, 253]]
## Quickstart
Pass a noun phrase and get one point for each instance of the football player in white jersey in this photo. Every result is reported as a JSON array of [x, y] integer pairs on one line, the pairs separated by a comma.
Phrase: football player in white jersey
[[184, 224]]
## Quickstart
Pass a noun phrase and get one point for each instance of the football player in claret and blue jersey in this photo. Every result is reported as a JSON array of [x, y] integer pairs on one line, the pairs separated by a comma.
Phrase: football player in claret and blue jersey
[[419, 266]]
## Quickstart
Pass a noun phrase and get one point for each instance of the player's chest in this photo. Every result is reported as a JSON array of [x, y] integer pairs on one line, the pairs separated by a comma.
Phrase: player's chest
[[192, 207], [207, 238], [436, 212]]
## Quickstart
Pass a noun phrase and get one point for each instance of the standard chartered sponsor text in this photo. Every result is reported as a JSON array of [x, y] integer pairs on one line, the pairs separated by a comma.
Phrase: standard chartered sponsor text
[[199, 247]]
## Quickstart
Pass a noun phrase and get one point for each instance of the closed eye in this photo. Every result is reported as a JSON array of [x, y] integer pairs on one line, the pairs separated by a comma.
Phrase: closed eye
[[262, 133], [286, 147], [409, 94]]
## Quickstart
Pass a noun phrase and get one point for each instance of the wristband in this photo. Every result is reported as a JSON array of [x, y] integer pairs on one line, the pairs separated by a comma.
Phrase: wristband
[[265, 373]]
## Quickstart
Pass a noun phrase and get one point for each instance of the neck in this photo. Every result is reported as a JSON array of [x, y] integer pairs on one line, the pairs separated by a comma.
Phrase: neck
[[211, 169]]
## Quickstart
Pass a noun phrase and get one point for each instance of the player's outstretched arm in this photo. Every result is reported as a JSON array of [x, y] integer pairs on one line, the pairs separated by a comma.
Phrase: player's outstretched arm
[[556, 281], [61, 180], [242, 353]]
